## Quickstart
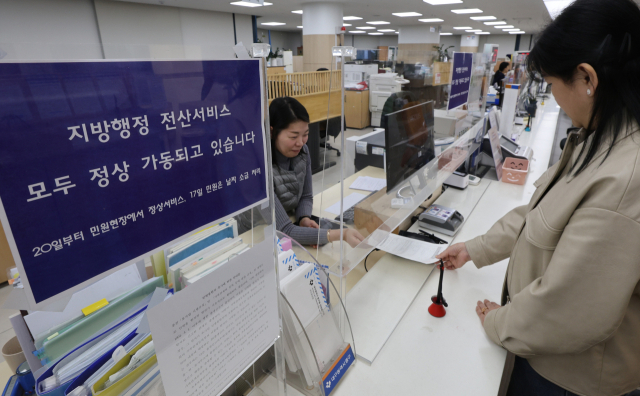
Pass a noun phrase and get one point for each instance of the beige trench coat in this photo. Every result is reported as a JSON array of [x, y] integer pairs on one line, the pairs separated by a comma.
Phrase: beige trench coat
[[571, 297]]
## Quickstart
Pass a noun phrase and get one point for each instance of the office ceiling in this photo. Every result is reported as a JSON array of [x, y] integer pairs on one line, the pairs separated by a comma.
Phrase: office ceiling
[[528, 15]]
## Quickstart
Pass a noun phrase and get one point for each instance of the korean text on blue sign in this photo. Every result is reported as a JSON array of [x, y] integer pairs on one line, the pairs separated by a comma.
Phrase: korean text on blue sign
[[336, 372], [102, 162], [460, 80]]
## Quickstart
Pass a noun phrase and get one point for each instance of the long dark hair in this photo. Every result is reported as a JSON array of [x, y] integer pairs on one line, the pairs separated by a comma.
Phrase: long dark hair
[[282, 113], [605, 35]]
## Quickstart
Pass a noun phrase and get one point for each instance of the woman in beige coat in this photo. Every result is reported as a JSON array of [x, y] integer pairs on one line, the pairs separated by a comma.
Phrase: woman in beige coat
[[570, 310]]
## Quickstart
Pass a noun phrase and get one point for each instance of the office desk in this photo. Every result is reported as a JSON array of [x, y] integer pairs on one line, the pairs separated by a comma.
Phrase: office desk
[[452, 355]]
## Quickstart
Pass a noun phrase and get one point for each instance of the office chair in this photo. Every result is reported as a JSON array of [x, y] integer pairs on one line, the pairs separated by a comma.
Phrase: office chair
[[333, 130]]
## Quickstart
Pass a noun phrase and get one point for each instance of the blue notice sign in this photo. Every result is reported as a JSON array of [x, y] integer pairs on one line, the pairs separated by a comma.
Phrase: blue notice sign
[[460, 80], [102, 162]]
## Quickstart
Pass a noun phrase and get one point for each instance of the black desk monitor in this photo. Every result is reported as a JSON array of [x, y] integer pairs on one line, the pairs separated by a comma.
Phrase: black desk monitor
[[409, 142]]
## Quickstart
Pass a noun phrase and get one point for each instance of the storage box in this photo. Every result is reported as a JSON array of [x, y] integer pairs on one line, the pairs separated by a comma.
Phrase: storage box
[[514, 170]]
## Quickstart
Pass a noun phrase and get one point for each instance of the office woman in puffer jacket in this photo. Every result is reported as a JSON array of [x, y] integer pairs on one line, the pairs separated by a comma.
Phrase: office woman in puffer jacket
[[570, 310], [292, 176]]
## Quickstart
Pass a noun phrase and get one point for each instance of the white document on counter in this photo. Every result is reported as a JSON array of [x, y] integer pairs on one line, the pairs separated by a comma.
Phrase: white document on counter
[[368, 183], [411, 249], [349, 201]]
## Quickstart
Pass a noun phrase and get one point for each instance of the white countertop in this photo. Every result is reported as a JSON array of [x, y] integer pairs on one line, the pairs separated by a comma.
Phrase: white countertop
[[452, 355]]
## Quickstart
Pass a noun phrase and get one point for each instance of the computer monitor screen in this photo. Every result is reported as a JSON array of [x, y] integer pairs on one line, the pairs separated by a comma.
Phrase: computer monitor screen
[[409, 141]]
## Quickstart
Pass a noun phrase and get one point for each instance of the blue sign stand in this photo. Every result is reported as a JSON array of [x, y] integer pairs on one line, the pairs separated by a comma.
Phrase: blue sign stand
[[104, 162], [460, 80]]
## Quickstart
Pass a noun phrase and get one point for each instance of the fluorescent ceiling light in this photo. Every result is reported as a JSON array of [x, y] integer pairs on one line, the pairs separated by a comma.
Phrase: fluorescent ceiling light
[[299, 27], [503, 26], [446, 34], [463, 27], [346, 24], [473, 30], [357, 31], [555, 7], [405, 14], [296, 12], [378, 23], [273, 23], [484, 18], [386, 30], [365, 27], [350, 18], [376, 34], [440, 2], [517, 32], [397, 32], [495, 23], [511, 30], [468, 11], [250, 4], [431, 20], [483, 33]]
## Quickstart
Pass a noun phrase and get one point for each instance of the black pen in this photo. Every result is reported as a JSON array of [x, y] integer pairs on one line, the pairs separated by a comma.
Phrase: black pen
[[435, 238]]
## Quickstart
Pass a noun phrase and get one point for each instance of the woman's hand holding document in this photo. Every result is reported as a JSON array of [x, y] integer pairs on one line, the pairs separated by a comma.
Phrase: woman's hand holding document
[[410, 249]]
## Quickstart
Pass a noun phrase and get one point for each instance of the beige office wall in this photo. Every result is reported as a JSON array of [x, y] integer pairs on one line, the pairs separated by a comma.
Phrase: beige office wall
[[48, 30]]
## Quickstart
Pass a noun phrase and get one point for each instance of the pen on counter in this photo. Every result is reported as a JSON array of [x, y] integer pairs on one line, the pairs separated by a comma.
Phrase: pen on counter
[[435, 238]]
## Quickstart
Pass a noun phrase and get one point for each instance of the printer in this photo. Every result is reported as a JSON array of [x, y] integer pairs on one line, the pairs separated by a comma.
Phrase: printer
[[509, 149], [381, 86]]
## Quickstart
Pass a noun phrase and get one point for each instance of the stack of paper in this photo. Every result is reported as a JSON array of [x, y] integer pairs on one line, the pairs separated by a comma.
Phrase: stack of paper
[[368, 183], [410, 249]]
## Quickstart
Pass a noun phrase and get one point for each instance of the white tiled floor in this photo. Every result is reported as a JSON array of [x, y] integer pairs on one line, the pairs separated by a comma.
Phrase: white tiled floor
[[6, 331]]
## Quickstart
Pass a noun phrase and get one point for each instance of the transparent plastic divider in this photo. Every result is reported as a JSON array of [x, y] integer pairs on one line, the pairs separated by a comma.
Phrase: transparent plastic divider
[[420, 70]]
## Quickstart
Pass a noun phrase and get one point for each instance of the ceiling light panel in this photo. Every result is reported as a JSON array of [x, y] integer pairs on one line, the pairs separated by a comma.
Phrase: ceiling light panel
[[431, 20], [495, 23], [299, 27], [351, 18], [300, 12], [376, 34], [484, 18], [386, 30], [473, 30], [521, 32], [511, 30], [483, 33], [250, 4], [356, 31], [273, 23], [346, 24], [468, 11], [406, 14], [504, 26], [446, 34], [365, 27], [463, 27], [378, 23], [441, 2]]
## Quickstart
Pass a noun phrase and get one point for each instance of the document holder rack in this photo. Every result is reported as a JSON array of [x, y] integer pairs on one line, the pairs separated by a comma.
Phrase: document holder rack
[[319, 353]]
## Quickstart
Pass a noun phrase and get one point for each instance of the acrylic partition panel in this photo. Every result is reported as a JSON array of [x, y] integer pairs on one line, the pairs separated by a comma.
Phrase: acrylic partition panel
[[407, 88], [172, 168]]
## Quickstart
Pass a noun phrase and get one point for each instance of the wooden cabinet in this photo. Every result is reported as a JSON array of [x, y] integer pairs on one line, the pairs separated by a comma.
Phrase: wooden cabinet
[[356, 109]]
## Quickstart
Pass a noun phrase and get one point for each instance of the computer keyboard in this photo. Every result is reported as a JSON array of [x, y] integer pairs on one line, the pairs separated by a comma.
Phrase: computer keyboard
[[348, 215]]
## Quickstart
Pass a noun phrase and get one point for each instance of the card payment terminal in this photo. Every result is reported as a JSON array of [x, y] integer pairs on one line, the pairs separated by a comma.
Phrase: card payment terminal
[[441, 219]]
